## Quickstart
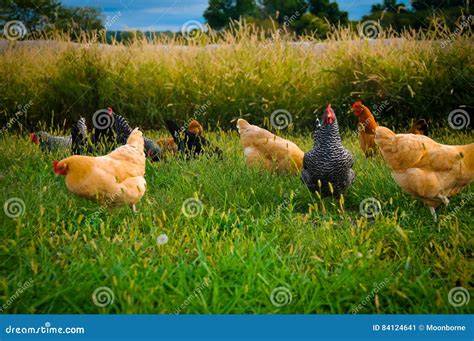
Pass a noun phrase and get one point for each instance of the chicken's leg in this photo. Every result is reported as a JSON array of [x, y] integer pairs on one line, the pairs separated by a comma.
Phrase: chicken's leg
[[433, 213], [444, 199]]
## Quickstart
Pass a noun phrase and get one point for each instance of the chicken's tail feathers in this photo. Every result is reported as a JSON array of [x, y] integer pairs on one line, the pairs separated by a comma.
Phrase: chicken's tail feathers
[[174, 129], [136, 138], [242, 125], [79, 136], [122, 129], [422, 126]]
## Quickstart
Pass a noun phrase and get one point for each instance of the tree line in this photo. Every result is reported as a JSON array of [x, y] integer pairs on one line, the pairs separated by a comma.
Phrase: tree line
[[315, 17]]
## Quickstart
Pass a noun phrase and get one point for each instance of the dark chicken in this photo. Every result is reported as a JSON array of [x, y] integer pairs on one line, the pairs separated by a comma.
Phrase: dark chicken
[[189, 143]]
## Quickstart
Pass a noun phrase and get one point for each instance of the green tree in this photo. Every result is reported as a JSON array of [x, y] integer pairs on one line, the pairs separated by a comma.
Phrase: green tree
[[389, 6], [220, 12], [309, 24], [46, 15], [437, 4], [283, 10], [329, 11]]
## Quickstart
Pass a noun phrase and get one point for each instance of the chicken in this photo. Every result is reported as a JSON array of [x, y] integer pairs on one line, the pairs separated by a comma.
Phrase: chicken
[[48, 142], [420, 127], [327, 168], [79, 137], [261, 147], [168, 144], [366, 128], [190, 143], [123, 130], [116, 178], [114, 131], [427, 170]]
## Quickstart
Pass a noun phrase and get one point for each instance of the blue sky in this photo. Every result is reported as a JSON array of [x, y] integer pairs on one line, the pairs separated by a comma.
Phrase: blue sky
[[162, 15]]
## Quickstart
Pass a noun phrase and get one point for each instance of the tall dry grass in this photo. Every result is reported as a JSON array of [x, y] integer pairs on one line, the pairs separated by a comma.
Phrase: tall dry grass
[[239, 73]]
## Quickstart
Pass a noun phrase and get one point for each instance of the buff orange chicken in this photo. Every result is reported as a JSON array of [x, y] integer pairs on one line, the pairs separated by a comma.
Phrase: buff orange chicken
[[271, 151], [116, 178], [429, 171]]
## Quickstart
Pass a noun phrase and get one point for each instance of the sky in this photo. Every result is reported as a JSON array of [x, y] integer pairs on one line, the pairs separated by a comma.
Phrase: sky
[[164, 15]]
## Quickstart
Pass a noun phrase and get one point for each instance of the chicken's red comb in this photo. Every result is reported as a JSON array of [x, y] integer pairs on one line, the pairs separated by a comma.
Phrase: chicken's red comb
[[33, 137], [356, 104], [55, 163]]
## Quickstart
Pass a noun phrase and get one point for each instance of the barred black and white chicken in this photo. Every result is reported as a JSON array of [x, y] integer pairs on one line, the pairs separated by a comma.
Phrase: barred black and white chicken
[[123, 131], [327, 168], [48, 142], [79, 137], [110, 130]]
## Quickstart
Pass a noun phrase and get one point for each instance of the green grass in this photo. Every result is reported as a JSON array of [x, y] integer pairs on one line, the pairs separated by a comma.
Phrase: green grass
[[258, 231]]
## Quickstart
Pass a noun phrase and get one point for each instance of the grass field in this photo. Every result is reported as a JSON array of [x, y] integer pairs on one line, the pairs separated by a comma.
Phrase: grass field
[[259, 242]]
